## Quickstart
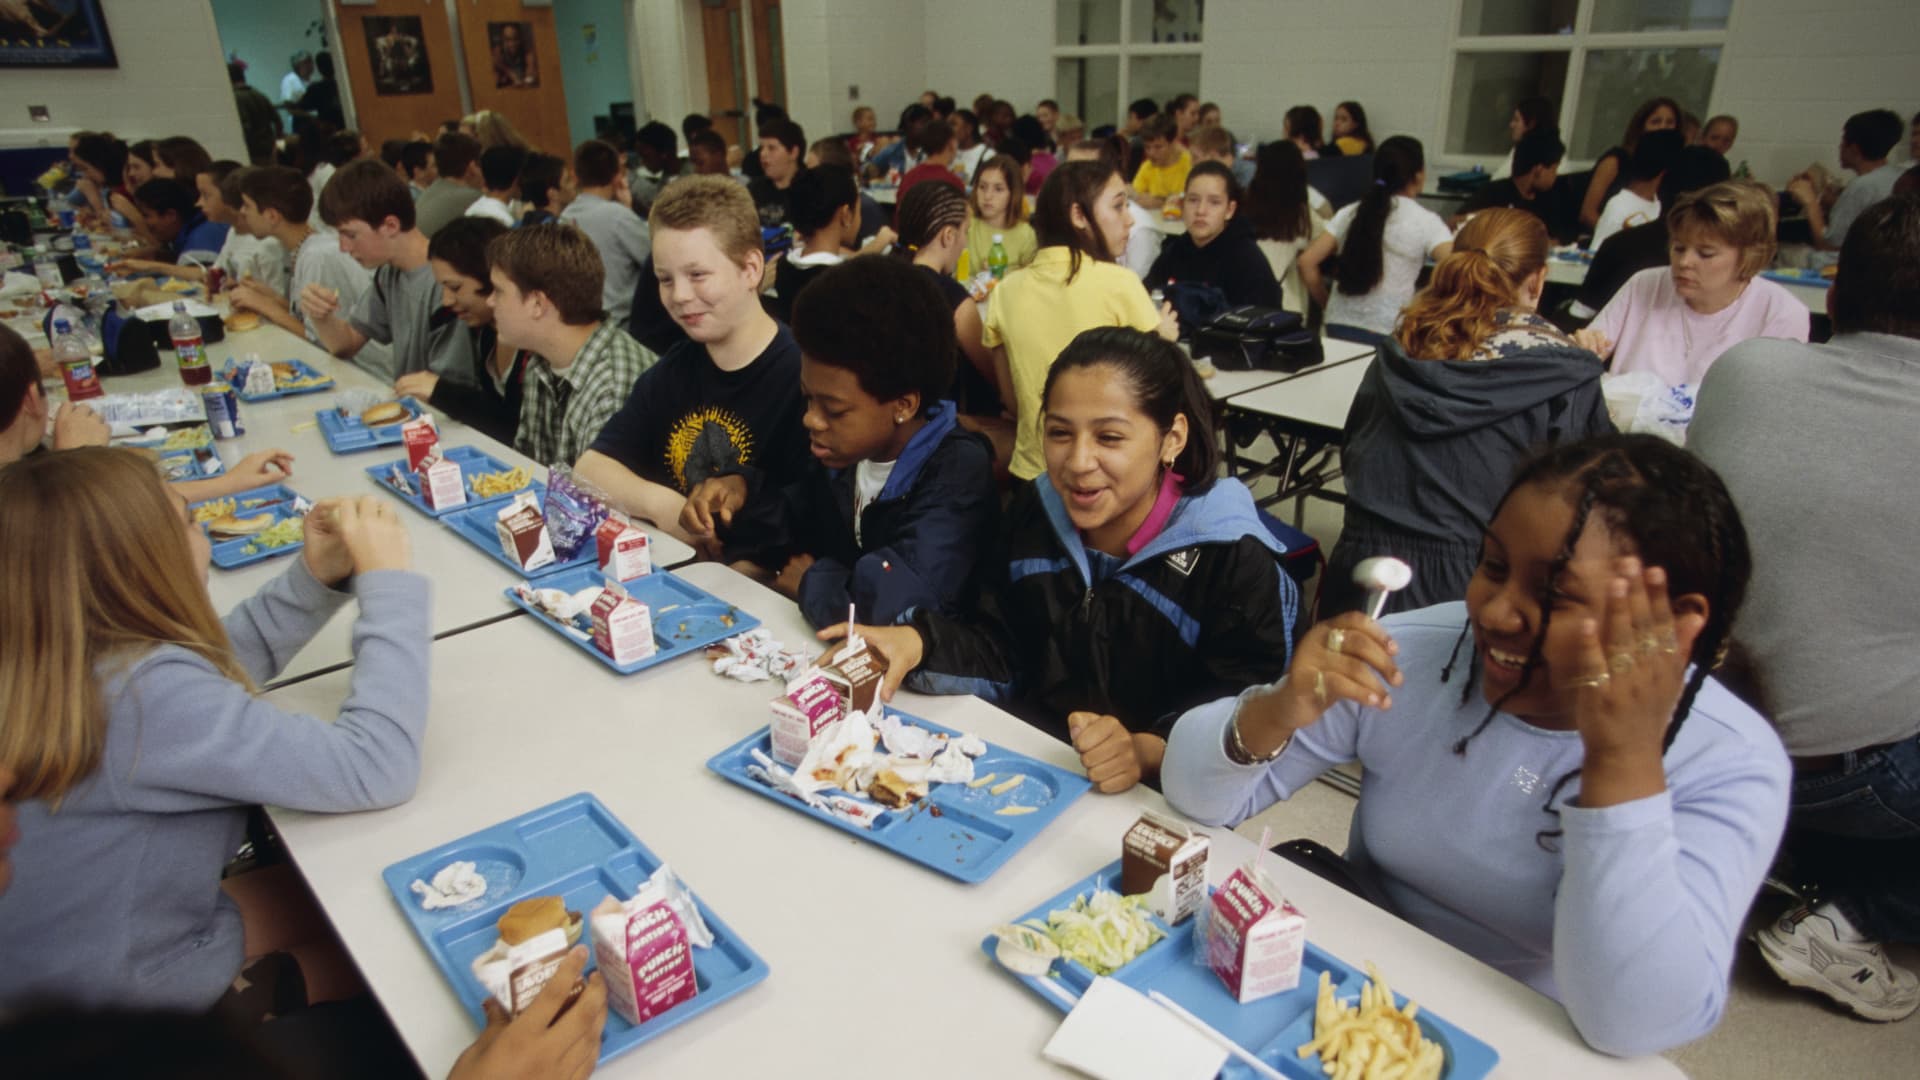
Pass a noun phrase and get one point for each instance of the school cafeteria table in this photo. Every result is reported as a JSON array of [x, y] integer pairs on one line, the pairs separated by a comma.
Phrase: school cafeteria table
[[875, 961], [1308, 457], [466, 582]]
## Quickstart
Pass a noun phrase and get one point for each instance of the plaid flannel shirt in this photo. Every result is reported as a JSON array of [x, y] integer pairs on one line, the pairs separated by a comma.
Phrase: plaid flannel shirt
[[562, 411]]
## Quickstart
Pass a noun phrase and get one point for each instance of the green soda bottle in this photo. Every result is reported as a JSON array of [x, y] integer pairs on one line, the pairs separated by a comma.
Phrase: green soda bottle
[[997, 258]]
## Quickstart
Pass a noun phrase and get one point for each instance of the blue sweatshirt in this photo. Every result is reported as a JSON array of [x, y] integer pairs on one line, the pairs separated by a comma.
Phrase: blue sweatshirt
[[1631, 925], [116, 897]]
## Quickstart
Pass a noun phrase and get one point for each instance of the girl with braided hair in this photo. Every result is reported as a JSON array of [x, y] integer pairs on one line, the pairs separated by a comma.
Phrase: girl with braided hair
[[1591, 812]]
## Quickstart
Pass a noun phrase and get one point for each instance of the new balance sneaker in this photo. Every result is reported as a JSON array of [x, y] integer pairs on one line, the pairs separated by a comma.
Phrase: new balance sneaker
[[1803, 947]]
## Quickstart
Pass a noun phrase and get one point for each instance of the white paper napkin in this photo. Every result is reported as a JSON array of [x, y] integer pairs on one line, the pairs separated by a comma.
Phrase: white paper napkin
[[1117, 1033]]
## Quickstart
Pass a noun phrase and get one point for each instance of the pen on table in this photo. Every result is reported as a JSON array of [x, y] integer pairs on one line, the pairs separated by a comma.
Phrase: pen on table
[[1242, 1053]]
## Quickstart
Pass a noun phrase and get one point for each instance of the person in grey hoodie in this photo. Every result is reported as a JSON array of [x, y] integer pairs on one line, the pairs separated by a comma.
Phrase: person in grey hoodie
[[137, 735], [1471, 383]]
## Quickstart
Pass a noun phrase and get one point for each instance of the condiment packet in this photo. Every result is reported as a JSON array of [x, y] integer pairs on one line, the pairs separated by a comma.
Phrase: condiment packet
[[644, 947], [515, 974]]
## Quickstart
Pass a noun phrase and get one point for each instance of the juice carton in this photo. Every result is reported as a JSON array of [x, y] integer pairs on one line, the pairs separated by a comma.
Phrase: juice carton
[[440, 482], [623, 548], [1256, 939], [622, 626], [421, 438], [1166, 861], [644, 947]]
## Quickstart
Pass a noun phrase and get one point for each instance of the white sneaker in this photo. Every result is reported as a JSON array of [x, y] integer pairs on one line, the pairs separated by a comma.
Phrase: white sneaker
[[1803, 948]]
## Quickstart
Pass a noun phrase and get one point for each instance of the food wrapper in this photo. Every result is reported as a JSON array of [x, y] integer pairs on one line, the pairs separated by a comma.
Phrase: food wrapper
[[255, 376], [456, 883], [644, 947], [754, 657], [515, 974], [573, 510], [572, 610], [841, 756]]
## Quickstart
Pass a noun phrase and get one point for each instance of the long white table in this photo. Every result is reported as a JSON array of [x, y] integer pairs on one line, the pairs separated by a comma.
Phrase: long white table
[[861, 943], [1305, 415], [467, 583]]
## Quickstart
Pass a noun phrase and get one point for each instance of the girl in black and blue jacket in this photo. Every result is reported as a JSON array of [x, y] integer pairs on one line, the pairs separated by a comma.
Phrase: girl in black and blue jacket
[[1131, 584]]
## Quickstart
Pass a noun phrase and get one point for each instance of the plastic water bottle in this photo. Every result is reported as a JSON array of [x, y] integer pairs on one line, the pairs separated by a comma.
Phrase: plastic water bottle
[[75, 357], [188, 346], [997, 257], [48, 271]]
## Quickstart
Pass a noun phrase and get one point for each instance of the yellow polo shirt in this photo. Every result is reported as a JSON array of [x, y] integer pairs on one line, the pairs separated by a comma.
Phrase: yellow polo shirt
[[1034, 313], [1167, 182]]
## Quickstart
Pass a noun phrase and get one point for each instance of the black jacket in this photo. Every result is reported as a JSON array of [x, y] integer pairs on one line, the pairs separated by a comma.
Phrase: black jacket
[[1622, 255], [1233, 263], [1200, 613], [921, 542], [495, 414], [1431, 446]]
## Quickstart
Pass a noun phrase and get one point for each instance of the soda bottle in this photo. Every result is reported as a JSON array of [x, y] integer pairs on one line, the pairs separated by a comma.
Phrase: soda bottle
[[997, 257], [188, 347], [75, 357]]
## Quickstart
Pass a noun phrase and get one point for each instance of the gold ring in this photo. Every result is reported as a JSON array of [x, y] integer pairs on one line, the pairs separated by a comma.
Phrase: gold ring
[[1621, 663], [1588, 681], [1336, 638], [1670, 644], [1649, 644], [1320, 688]]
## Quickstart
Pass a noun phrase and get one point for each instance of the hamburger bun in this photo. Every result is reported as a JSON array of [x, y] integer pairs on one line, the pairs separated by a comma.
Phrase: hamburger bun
[[242, 321], [231, 526], [536, 915], [387, 412]]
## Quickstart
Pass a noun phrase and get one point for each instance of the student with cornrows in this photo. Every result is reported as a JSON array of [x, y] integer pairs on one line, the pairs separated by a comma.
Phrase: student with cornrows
[[138, 735], [933, 223], [1132, 583], [1384, 241], [1073, 284], [1474, 380], [1555, 783]]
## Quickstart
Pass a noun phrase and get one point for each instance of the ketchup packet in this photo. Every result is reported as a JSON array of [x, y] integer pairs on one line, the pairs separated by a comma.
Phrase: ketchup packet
[[644, 947]]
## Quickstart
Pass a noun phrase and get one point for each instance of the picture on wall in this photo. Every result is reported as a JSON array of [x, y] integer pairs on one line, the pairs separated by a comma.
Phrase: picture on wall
[[398, 52], [54, 33], [514, 64]]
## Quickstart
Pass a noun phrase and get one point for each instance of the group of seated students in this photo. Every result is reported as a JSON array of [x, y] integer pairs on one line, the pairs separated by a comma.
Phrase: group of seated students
[[1025, 503]]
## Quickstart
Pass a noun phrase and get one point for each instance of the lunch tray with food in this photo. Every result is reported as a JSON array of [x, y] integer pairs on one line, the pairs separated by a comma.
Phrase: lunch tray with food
[[475, 464], [253, 526], [479, 526], [290, 378], [185, 453], [965, 830], [1812, 277], [576, 850], [686, 618], [1274, 1028], [365, 428]]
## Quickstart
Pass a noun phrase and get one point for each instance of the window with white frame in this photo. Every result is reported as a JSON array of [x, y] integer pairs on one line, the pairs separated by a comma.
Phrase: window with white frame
[[1596, 60], [1109, 52]]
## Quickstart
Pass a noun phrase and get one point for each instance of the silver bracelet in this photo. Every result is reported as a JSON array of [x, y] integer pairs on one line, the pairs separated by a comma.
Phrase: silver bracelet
[[1237, 751]]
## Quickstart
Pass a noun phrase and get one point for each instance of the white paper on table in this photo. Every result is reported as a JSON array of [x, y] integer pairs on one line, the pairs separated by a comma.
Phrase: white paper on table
[[1118, 1033]]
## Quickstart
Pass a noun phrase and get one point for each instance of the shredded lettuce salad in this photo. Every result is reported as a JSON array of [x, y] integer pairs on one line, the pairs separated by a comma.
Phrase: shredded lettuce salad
[[1102, 931]]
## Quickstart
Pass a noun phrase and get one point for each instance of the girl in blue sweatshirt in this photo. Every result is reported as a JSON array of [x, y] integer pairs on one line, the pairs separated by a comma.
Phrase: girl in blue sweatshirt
[[131, 718], [1554, 784]]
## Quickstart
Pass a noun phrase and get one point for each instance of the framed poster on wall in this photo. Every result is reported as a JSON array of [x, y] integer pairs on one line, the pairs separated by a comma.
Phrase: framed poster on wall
[[397, 48], [54, 33]]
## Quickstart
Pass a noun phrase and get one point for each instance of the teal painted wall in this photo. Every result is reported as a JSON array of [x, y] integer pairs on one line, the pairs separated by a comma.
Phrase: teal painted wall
[[595, 73], [265, 33]]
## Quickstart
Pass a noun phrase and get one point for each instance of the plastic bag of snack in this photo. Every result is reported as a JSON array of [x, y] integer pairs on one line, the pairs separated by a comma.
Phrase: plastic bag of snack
[[574, 509]]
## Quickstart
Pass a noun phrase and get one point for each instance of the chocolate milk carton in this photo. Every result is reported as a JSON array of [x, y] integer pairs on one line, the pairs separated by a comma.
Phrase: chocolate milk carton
[[421, 438], [1167, 862], [523, 533], [1256, 939], [622, 548], [855, 672], [622, 626], [441, 485]]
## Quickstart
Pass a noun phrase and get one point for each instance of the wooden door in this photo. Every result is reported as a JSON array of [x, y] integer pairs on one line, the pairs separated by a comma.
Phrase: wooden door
[[769, 57], [417, 85], [513, 68], [723, 26]]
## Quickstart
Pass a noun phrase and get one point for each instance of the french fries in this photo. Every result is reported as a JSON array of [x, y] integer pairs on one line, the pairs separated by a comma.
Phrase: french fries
[[218, 508], [487, 485], [1375, 1041]]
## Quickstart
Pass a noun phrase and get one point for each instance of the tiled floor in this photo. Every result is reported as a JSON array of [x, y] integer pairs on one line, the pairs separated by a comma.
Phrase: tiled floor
[[1770, 1029]]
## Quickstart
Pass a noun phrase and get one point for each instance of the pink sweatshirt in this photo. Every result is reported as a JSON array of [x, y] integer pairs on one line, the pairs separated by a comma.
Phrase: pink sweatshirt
[[1652, 329]]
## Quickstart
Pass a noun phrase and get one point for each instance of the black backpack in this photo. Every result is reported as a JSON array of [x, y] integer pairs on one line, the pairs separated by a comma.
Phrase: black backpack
[[1252, 338]]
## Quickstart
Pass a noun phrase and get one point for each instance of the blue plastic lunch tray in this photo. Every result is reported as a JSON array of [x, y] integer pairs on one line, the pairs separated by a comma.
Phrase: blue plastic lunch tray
[[347, 435], [578, 850], [686, 618], [956, 830], [472, 461], [480, 526], [275, 499], [1807, 276], [301, 369], [1274, 1028]]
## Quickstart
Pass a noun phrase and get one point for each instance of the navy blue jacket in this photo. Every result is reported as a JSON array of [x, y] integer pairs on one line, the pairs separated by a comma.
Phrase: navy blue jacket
[[921, 543], [1201, 612]]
